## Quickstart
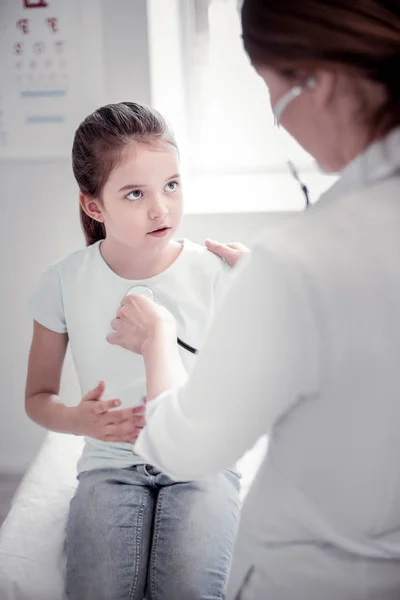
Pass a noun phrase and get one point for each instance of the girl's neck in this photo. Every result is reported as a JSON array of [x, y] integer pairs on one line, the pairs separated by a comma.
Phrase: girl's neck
[[134, 264]]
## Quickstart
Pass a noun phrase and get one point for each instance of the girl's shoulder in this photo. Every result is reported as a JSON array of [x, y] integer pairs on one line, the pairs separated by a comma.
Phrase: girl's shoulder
[[199, 257], [204, 269], [59, 274], [76, 261]]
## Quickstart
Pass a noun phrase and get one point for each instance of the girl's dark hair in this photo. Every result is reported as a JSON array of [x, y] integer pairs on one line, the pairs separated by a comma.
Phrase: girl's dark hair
[[98, 144], [361, 36]]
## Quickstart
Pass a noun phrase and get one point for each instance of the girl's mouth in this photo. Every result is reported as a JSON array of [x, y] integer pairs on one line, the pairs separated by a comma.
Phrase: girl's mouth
[[163, 231]]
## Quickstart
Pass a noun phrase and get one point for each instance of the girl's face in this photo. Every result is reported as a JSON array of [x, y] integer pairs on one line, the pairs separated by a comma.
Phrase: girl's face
[[142, 198]]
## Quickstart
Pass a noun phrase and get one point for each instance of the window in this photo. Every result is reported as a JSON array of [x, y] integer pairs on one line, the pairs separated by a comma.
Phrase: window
[[203, 82]]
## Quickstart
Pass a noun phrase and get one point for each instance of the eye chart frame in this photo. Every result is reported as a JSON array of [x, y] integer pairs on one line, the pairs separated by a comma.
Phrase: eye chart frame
[[51, 74]]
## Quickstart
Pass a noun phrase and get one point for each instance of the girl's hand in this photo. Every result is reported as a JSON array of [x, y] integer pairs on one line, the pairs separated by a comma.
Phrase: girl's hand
[[140, 321], [93, 417], [232, 253]]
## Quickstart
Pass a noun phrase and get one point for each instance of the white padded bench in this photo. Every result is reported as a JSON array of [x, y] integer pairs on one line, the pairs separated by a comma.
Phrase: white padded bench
[[32, 538]]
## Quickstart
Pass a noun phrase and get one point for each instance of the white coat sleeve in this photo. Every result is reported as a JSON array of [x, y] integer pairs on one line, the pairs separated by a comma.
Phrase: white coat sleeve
[[260, 356]]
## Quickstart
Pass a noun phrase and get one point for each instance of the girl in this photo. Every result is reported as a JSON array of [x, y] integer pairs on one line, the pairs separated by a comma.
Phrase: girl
[[131, 531]]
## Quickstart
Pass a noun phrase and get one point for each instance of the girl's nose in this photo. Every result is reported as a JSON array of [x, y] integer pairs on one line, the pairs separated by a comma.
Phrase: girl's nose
[[158, 209]]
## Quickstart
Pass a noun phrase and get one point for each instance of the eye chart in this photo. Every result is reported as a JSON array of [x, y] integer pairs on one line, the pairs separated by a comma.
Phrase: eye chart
[[50, 65]]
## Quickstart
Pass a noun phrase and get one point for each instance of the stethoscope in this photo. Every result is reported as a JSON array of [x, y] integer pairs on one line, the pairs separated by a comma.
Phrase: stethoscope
[[146, 292], [278, 110]]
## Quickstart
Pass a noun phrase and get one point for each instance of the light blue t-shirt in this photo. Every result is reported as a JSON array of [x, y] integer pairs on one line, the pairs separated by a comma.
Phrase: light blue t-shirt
[[81, 294]]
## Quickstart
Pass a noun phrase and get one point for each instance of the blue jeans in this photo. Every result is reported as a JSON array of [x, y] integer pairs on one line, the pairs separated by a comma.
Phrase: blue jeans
[[134, 534]]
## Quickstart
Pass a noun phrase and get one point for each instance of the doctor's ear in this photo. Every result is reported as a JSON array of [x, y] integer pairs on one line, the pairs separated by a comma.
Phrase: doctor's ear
[[323, 86], [311, 83], [91, 207]]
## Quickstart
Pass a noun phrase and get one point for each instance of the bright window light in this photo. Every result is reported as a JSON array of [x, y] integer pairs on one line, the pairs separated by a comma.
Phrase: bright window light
[[203, 83]]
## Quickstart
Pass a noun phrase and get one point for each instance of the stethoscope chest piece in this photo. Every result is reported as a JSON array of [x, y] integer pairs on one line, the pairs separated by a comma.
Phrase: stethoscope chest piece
[[141, 290]]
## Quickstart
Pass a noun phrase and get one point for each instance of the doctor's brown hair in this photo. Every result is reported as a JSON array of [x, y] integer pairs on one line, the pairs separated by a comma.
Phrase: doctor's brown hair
[[359, 36], [99, 143]]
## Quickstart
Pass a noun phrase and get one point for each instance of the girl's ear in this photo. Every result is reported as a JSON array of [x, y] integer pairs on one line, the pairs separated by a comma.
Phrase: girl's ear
[[91, 207]]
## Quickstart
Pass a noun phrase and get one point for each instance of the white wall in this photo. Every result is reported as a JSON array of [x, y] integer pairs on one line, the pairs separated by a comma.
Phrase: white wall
[[39, 224]]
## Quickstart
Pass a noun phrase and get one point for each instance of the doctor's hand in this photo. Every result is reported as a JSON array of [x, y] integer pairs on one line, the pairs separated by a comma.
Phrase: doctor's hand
[[140, 322], [232, 253]]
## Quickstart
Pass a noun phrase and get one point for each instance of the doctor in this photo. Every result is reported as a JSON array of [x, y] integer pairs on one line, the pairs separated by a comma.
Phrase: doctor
[[307, 345]]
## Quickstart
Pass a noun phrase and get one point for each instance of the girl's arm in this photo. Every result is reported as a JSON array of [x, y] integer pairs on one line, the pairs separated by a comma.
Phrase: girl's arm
[[92, 417], [46, 359]]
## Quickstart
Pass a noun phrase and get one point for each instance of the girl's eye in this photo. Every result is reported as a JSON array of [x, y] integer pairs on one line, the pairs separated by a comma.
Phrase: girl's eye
[[134, 195], [171, 186]]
